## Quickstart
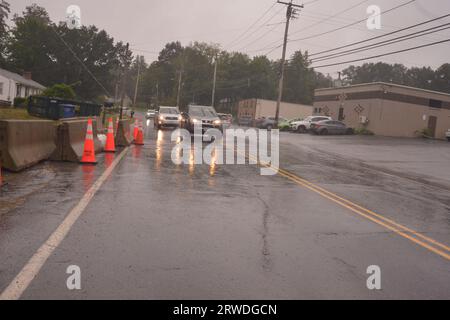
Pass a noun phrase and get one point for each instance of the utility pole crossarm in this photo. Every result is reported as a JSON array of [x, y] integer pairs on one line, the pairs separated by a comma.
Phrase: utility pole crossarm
[[291, 4]]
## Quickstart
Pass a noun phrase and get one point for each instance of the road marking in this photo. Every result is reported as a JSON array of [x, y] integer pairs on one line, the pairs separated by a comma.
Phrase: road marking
[[366, 213], [441, 245], [21, 282]]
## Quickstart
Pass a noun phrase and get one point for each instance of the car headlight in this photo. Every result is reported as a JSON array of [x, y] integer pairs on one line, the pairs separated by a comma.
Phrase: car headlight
[[180, 118], [161, 118], [217, 122], [195, 121]]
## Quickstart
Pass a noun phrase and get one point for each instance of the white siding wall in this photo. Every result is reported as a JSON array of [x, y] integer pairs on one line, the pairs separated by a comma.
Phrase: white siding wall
[[9, 89], [267, 108]]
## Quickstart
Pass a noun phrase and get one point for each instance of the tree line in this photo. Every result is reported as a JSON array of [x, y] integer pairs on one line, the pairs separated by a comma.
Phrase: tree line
[[96, 66]]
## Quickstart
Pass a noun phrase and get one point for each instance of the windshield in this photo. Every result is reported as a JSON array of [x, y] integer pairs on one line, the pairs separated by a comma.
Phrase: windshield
[[168, 110], [202, 112]]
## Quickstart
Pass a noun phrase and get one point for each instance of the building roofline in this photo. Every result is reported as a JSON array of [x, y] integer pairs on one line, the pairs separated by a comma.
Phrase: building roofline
[[20, 79], [379, 83]]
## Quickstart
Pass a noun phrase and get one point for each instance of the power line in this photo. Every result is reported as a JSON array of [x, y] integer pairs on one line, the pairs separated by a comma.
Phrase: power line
[[259, 38], [330, 17], [264, 34], [251, 26], [380, 36], [382, 55], [384, 43], [353, 23], [272, 48]]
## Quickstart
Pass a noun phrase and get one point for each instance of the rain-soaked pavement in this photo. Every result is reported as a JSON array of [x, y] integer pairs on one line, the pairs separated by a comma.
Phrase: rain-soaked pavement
[[157, 230]]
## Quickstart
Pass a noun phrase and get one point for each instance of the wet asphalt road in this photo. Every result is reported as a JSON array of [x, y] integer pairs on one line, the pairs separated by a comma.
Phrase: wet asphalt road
[[156, 230]]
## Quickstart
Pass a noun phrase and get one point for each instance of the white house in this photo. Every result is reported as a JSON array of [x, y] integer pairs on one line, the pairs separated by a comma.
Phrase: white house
[[13, 85]]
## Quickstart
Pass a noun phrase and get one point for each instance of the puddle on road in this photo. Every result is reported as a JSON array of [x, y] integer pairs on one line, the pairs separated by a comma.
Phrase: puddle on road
[[18, 186]]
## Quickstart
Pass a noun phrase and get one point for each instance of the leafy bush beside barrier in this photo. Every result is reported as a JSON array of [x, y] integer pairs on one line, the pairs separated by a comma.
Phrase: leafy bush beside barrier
[[363, 132], [20, 102], [425, 133]]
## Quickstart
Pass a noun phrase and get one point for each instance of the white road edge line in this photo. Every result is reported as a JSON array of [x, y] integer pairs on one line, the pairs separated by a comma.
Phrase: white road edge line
[[21, 282]]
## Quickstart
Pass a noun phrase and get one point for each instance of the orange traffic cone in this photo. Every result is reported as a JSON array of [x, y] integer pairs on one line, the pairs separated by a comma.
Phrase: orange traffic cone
[[136, 129], [110, 144], [139, 140], [89, 149]]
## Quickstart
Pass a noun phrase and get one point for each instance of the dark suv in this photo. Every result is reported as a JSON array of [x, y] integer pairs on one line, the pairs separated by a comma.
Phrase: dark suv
[[203, 116]]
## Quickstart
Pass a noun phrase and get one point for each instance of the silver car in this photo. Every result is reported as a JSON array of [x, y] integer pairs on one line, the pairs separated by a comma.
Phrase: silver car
[[330, 127], [168, 117]]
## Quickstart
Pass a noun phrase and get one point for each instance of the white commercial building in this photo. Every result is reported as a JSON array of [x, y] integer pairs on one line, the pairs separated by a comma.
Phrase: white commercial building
[[258, 108]]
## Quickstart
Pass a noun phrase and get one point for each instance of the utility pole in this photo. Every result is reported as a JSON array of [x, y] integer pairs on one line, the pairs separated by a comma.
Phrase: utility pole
[[179, 87], [124, 78], [214, 83], [157, 93], [137, 80], [290, 14]]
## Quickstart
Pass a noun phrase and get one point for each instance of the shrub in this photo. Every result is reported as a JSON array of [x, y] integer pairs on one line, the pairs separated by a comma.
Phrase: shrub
[[60, 91], [20, 102], [363, 132], [425, 133]]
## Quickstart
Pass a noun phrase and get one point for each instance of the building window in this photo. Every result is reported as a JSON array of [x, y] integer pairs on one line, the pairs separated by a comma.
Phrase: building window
[[435, 104], [18, 90], [1, 88]]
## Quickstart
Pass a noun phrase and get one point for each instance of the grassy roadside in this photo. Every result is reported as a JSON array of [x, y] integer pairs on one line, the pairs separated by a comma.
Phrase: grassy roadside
[[15, 114]]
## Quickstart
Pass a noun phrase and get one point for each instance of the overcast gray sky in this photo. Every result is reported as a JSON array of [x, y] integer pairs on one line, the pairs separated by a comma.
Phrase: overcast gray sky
[[149, 24]]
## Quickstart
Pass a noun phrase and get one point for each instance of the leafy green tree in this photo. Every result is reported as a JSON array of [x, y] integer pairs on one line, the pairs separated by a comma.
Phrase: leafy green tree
[[4, 12], [300, 80], [30, 44], [375, 72], [59, 91], [442, 78], [80, 50]]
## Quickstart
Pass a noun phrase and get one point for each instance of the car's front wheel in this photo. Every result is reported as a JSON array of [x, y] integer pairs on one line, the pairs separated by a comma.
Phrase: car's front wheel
[[301, 129], [323, 132]]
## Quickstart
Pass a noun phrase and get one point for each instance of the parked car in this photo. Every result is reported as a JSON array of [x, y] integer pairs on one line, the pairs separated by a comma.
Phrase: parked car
[[204, 116], [245, 121], [150, 114], [448, 135], [227, 119], [330, 127], [167, 117], [304, 125], [286, 125], [268, 123]]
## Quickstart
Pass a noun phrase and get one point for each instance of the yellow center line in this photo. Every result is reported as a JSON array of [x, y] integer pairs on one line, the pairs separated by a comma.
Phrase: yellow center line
[[366, 213], [418, 234]]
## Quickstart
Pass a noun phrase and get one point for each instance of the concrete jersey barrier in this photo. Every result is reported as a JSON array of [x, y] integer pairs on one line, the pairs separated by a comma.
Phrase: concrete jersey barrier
[[24, 143], [124, 136], [71, 135]]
